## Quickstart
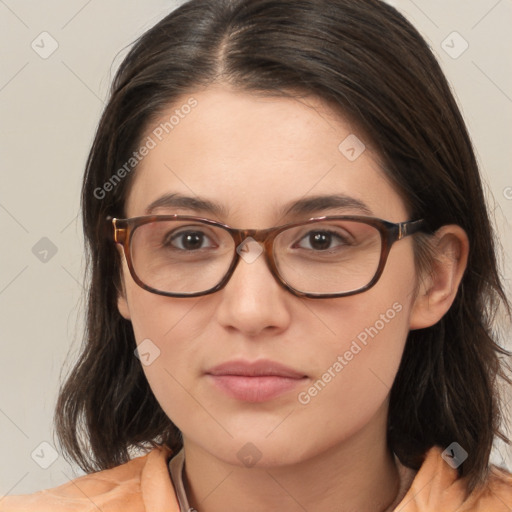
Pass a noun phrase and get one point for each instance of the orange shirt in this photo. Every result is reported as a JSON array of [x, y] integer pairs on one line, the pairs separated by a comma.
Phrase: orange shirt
[[144, 485]]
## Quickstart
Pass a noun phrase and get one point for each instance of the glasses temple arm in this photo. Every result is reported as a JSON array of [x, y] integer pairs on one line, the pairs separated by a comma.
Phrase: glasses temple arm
[[409, 228]]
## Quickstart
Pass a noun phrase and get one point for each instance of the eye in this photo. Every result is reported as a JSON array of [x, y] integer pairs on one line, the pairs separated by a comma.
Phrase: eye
[[188, 240], [322, 240]]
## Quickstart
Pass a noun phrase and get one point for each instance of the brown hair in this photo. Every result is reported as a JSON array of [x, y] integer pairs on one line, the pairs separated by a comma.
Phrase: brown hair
[[366, 58]]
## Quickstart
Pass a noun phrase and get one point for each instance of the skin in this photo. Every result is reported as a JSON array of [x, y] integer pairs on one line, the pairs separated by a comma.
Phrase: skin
[[253, 155]]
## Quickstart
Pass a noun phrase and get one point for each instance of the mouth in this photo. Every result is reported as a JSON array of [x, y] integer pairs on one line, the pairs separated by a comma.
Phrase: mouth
[[257, 381]]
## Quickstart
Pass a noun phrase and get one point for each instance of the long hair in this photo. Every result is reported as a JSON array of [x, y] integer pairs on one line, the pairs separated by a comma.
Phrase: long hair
[[368, 61]]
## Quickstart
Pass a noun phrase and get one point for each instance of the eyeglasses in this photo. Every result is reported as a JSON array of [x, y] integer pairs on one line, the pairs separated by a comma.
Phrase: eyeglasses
[[323, 257]]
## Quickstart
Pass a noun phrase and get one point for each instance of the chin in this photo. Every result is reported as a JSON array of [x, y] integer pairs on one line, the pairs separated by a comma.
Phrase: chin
[[260, 451]]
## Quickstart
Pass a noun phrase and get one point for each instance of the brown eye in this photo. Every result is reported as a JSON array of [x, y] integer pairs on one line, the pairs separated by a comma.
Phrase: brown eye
[[188, 240], [321, 240]]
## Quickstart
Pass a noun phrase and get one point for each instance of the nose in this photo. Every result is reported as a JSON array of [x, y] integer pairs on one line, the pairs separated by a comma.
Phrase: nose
[[253, 302]]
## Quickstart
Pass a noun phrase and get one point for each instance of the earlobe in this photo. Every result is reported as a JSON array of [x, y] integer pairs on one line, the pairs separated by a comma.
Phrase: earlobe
[[122, 305], [437, 291]]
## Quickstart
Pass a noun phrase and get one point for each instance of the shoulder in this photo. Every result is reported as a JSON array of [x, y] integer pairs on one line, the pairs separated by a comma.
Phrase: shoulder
[[437, 486], [495, 494], [129, 487]]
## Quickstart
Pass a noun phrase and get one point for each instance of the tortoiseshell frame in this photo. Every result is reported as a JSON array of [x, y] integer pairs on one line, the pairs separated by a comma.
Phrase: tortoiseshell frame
[[123, 230]]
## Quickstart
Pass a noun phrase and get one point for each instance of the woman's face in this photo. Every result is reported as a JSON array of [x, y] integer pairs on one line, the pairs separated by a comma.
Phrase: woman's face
[[254, 157]]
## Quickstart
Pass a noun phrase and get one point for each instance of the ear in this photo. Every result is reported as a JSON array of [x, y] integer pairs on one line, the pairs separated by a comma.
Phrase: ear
[[437, 290], [122, 302]]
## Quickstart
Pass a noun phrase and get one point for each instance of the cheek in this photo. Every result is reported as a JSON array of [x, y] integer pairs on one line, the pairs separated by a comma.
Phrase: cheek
[[168, 334], [158, 317], [356, 371], [357, 364]]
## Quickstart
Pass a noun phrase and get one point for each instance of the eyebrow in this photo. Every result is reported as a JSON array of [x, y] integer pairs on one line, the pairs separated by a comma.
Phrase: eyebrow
[[305, 206], [192, 203], [315, 204]]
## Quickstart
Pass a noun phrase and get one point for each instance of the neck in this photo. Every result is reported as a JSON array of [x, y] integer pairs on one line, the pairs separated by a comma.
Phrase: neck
[[358, 474]]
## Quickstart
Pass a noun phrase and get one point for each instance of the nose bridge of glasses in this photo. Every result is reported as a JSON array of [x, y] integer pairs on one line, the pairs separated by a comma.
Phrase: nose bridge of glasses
[[253, 243], [256, 234], [244, 236]]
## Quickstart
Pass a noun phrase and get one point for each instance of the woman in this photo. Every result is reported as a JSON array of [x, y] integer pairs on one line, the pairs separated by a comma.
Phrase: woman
[[291, 295]]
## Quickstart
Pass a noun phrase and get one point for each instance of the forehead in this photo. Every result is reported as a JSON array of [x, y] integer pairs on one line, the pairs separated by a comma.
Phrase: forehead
[[253, 154]]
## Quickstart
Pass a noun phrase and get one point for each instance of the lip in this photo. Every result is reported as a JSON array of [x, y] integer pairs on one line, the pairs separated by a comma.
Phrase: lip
[[256, 381]]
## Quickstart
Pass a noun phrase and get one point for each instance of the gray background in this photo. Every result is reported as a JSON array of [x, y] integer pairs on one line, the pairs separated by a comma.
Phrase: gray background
[[49, 109]]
